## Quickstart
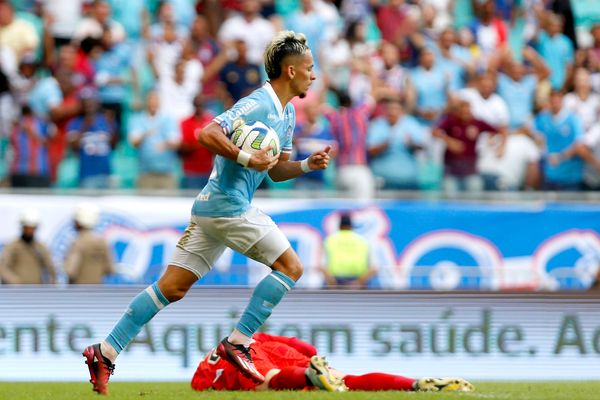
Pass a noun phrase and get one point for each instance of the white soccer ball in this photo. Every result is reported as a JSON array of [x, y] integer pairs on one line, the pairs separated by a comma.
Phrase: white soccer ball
[[254, 136]]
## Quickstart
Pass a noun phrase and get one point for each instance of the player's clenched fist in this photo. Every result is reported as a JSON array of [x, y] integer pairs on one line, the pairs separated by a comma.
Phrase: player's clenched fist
[[319, 159]]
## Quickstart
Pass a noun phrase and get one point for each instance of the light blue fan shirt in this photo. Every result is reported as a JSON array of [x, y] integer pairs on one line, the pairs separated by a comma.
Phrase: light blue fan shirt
[[231, 187]]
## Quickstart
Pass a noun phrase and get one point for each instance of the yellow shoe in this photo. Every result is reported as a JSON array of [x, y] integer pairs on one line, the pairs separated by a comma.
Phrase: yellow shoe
[[319, 375], [443, 385]]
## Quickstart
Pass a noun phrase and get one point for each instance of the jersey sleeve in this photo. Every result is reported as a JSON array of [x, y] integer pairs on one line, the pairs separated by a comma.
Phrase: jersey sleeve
[[247, 109]]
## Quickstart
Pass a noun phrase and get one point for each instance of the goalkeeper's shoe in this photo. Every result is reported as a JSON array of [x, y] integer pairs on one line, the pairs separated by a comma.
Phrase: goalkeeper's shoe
[[101, 368], [239, 356], [319, 375], [443, 385]]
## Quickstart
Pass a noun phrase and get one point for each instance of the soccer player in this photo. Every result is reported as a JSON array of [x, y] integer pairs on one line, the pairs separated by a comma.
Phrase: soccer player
[[223, 217], [290, 364]]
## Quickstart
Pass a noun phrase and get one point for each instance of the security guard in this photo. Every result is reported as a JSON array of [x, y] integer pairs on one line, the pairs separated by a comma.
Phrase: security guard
[[347, 254], [25, 260], [89, 260]]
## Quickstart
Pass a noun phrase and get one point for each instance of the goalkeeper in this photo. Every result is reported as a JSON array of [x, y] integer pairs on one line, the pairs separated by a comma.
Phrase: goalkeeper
[[289, 363]]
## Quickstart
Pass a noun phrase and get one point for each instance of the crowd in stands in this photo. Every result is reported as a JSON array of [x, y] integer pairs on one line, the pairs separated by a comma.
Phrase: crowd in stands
[[412, 94]]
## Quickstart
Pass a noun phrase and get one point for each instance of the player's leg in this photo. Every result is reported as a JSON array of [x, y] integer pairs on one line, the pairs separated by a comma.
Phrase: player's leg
[[256, 235], [379, 381], [185, 269], [101, 357]]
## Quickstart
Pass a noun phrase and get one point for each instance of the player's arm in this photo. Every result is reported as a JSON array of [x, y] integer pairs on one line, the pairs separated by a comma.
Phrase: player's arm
[[286, 169], [214, 139]]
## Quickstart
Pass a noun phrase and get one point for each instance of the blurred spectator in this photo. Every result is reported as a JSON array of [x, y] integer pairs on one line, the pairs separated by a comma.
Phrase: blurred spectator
[[582, 101], [165, 50], [348, 263], [113, 74], [335, 60], [310, 23], [452, 60], [26, 260], [250, 20], [53, 99], [99, 21], [166, 20], [239, 76], [8, 74], [197, 160], [513, 164], [178, 91], [561, 130], [443, 12], [132, 15], [392, 141], [390, 20], [486, 105], [491, 32], [207, 49], [392, 79], [349, 125], [431, 87], [564, 9], [92, 137], [591, 155], [65, 15], [517, 85], [312, 134], [30, 165], [157, 138], [460, 131], [89, 258], [15, 33], [556, 49]]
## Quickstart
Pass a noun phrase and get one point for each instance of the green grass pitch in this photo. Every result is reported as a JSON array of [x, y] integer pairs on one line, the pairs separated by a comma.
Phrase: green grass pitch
[[181, 391]]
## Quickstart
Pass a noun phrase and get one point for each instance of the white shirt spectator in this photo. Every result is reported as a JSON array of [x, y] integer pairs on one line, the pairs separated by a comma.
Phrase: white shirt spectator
[[176, 99], [90, 27], [492, 110], [591, 176], [64, 23], [331, 16], [586, 109], [257, 34], [511, 168]]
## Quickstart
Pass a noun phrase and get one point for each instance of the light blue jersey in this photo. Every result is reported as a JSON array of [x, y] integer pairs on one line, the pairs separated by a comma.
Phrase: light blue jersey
[[231, 186]]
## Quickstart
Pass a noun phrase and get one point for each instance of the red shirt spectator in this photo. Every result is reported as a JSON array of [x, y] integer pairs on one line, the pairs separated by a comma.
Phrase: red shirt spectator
[[460, 132], [390, 20], [197, 160]]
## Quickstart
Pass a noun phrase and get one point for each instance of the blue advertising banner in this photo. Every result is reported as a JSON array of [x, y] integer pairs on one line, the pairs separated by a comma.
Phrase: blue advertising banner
[[414, 244]]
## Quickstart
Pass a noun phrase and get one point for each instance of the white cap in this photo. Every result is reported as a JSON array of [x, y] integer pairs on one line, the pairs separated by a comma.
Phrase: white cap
[[30, 217], [86, 215]]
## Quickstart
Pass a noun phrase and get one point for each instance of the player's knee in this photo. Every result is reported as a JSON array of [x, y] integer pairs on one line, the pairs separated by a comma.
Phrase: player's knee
[[175, 293], [293, 269]]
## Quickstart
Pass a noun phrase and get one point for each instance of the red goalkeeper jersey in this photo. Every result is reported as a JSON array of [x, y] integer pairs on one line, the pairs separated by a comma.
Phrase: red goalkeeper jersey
[[268, 352]]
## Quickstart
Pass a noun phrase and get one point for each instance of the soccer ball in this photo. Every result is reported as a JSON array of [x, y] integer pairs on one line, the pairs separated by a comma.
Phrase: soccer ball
[[254, 136]]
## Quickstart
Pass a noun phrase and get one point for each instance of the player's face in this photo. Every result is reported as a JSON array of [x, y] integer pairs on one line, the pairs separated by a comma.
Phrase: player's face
[[304, 74]]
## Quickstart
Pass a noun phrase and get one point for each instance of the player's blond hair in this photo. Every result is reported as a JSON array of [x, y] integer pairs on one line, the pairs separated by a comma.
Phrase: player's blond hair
[[285, 43]]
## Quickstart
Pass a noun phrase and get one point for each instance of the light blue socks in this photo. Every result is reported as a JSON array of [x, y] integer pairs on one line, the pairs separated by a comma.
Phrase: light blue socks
[[141, 310], [267, 294]]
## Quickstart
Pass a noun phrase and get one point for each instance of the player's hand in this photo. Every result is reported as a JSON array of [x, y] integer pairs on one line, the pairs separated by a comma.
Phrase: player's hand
[[319, 159], [262, 160]]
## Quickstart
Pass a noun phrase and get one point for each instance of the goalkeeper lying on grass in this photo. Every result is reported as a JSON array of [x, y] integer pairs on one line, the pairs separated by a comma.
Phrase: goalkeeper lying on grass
[[291, 364]]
